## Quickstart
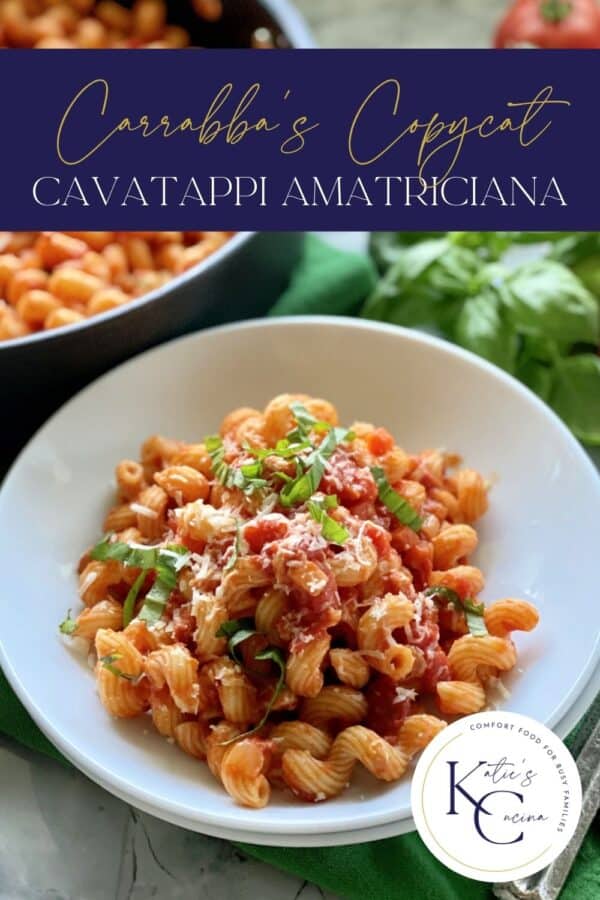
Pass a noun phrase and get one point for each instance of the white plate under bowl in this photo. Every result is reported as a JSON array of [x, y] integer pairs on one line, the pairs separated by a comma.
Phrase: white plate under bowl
[[538, 540]]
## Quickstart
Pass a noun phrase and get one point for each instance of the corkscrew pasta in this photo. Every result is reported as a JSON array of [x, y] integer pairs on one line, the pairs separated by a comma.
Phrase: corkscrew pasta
[[51, 279], [96, 24], [289, 599]]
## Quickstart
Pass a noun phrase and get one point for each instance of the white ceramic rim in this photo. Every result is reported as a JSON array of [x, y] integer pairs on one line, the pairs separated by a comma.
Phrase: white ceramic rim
[[172, 811], [292, 22]]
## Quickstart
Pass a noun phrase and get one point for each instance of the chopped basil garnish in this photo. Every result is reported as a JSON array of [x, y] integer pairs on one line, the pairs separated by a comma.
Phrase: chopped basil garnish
[[245, 477], [330, 529], [69, 625], [108, 662], [237, 631], [306, 422], [237, 548], [165, 562], [284, 449], [131, 598], [473, 612], [397, 505], [303, 486]]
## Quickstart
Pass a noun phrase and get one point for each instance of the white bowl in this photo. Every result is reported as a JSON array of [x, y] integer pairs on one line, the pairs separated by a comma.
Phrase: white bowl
[[539, 540]]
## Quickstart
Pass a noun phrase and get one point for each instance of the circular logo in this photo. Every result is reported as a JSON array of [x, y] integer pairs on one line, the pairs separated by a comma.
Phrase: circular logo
[[496, 796]]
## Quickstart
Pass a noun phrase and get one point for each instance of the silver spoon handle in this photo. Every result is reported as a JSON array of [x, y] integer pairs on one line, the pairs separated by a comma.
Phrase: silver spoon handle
[[547, 884]]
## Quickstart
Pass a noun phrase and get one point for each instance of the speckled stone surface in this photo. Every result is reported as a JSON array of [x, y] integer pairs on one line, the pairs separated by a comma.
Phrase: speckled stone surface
[[64, 838], [402, 23]]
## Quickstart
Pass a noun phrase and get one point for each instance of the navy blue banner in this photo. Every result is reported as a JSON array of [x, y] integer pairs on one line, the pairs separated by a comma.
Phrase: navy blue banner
[[301, 139]]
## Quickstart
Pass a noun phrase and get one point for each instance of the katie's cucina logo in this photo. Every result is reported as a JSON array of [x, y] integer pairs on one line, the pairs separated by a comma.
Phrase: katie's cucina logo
[[496, 796]]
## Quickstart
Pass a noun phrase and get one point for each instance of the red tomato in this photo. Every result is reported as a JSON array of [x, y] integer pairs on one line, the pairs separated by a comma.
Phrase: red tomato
[[386, 712], [379, 441], [379, 537], [350, 482], [550, 24], [261, 532], [437, 669]]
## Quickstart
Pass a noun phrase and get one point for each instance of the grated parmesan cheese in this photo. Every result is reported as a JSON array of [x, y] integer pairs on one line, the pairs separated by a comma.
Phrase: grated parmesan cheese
[[403, 693], [141, 510]]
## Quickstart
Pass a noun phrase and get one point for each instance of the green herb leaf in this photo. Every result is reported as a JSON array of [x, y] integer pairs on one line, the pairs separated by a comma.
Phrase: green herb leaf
[[166, 562], [69, 625], [545, 299], [237, 548], [135, 557], [575, 395], [246, 477], [482, 328], [426, 286], [537, 376], [303, 486], [285, 449], [330, 529], [473, 612], [307, 422], [397, 505], [108, 662], [274, 655], [130, 600], [171, 560], [237, 631]]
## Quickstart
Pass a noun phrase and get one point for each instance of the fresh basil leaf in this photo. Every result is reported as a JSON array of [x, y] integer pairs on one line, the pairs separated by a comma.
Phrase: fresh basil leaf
[[251, 470], [440, 590], [305, 420], [483, 329], [171, 560], [330, 529], [213, 443], [132, 595], [474, 615], [575, 247], [575, 395], [274, 655], [285, 449], [386, 246], [545, 299], [245, 477], [397, 505], [537, 376], [108, 662], [135, 557], [303, 486], [238, 638], [69, 625], [473, 612], [237, 545], [426, 286], [490, 245], [157, 598], [229, 628], [588, 272]]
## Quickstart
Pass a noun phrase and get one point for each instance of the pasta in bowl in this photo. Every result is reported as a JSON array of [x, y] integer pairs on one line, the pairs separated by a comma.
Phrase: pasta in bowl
[[290, 598]]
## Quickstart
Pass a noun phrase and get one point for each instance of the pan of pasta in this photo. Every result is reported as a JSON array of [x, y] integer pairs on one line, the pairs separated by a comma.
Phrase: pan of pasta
[[281, 610]]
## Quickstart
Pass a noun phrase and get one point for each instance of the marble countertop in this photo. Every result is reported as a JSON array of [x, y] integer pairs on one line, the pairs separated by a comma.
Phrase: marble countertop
[[402, 23]]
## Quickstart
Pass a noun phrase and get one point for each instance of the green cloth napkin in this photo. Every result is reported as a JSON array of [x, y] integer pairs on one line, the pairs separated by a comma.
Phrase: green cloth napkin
[[335, 282]]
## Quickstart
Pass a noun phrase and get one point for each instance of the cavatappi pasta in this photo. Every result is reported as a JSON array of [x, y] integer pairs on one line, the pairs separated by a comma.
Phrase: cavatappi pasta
[[289, 599], [95, 24], [51, 279]]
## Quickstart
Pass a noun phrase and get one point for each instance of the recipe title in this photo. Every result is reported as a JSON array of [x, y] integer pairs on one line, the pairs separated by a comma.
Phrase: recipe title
[[234, 117]]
